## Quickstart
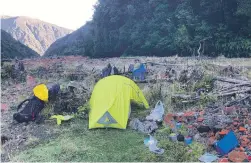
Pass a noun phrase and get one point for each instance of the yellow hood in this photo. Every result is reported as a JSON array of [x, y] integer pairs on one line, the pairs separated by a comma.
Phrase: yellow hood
[[41, 92]]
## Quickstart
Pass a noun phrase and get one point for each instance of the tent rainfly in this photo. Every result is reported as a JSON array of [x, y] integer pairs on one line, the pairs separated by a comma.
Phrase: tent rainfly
[[110, 102]]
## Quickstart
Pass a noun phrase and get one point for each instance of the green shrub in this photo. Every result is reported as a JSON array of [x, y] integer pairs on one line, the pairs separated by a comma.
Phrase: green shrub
[[6, 71], [48, 110], [206, 82], [194, 151]]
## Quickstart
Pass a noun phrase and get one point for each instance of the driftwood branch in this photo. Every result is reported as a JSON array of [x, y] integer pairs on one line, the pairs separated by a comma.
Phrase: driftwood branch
[[236, 86], [161, 64], [219, 66], [237, 101], [182, 96], [186, 98], [230, 80], [222, 94], [192, 98], [151, 80]]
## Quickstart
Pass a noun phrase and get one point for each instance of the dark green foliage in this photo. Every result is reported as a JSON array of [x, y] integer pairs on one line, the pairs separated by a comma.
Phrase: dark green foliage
[[76, 43], [10, 48], [6, 71], [165, 28], [9, 72]]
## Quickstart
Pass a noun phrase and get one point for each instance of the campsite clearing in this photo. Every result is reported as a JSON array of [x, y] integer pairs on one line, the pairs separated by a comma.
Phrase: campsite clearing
[[73, 141]]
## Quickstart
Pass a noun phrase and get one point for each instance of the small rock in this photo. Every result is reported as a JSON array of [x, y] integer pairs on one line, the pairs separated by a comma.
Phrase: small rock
[[180, 137]]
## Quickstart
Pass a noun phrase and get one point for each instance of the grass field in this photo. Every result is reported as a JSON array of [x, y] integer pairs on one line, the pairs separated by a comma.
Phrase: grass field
[[79, 144]]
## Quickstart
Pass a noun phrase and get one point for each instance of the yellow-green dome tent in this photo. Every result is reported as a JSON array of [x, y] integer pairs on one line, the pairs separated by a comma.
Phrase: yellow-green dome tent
[[110, 102]]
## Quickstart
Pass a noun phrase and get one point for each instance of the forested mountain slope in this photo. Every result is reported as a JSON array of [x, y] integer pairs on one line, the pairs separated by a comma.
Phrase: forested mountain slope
[[162, 28], [11, 48], [36, 34]]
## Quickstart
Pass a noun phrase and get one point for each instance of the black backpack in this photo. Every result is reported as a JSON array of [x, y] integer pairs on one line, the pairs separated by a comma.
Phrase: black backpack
[[30, 111]]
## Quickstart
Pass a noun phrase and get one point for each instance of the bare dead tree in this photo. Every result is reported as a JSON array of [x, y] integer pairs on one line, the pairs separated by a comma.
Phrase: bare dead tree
[[202, 42], [201, 48]]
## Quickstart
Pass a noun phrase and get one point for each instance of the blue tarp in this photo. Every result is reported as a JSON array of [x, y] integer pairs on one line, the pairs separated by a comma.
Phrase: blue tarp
[[227, 143], [139, 73]]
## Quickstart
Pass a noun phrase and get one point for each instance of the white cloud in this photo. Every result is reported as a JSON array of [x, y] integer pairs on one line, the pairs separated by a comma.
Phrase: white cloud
[[70, 14]]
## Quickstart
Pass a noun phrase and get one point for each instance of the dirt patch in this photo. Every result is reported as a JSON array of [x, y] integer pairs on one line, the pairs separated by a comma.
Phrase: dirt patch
[[22, 136]]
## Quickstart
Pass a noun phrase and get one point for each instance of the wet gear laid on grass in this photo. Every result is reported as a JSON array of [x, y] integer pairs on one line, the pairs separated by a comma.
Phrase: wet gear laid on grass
[[226, 144], [110, 102], [207, 157], [53, 91], [106, 71], [29, 109], [139, 72], [151, 143], [109, 70], [180, 138], [61, 118], [146, 127], [157, 113]]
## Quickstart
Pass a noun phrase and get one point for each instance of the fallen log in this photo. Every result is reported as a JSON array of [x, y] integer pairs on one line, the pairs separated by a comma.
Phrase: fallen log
[[186, 98], [222, 94], [218, 94], [230, 103], [235, 89], [230, 80], [152, 80], [219, 66], [236, 86], [182, 96], [161, 64]]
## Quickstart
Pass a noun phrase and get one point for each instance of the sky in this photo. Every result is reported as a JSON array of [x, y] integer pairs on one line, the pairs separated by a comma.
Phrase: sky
[[70, 14]]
